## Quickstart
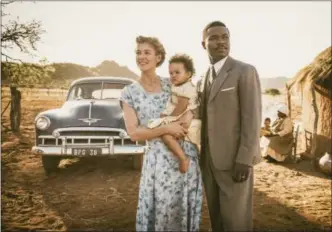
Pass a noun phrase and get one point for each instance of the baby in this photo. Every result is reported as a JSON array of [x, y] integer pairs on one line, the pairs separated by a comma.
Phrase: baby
[[183, 98]]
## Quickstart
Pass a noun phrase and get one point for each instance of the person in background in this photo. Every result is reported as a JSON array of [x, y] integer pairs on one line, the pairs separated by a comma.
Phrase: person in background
[[280, 138], [266, 129]]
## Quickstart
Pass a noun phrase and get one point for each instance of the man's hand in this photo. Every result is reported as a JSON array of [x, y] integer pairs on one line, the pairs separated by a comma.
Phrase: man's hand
[[240, 172]]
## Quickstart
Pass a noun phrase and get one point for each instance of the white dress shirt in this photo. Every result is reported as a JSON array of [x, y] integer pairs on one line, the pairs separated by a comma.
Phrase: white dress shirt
[[217, 67]]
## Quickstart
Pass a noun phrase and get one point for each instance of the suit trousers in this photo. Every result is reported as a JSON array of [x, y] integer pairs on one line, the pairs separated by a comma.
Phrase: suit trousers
[[230, 204]]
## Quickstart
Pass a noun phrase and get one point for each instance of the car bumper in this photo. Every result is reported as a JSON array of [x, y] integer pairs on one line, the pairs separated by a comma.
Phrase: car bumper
[[92, 145], [105, 151]]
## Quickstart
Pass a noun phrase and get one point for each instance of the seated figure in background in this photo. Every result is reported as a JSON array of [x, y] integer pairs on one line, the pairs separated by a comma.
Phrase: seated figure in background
[[266, 129], [280, 138]]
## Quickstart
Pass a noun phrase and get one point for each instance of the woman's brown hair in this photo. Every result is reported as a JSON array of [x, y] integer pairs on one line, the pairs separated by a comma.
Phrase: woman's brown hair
[[156, 44]]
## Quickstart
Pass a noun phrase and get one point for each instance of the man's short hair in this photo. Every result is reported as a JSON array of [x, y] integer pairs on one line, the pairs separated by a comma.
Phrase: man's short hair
[[213, 24]]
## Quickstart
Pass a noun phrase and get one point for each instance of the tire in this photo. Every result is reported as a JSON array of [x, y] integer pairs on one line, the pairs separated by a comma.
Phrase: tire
[[50, 163], [137, 162]]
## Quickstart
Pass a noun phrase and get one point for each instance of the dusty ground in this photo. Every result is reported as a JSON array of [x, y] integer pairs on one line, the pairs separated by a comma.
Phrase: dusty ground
[[102, 194]]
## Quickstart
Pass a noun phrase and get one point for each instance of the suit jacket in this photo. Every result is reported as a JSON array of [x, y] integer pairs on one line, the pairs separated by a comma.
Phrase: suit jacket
[[231, 115]]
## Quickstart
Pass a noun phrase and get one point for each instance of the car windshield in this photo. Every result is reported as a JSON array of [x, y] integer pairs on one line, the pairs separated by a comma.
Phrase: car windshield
[[97, 90]]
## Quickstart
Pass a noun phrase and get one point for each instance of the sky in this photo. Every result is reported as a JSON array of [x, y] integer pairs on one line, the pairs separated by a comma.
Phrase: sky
[[278, 38]]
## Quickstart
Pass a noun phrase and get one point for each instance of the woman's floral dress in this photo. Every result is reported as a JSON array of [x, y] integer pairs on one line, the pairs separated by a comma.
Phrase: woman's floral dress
[[168, 200]]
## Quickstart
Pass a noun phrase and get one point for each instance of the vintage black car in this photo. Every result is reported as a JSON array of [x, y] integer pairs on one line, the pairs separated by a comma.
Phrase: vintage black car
[[89, 124]]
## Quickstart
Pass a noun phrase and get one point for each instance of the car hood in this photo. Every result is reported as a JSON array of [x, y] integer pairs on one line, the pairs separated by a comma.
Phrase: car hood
[[87, 113]]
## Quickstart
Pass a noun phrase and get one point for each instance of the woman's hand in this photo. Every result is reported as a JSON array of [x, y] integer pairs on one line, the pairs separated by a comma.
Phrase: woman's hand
[[176, 129]]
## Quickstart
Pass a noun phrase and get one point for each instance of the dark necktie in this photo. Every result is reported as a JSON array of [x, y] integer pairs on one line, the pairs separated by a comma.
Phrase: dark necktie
[[214, 74]]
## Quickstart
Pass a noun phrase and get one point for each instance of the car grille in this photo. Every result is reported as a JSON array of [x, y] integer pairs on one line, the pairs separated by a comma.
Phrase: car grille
[[81, 137], [46, 141]]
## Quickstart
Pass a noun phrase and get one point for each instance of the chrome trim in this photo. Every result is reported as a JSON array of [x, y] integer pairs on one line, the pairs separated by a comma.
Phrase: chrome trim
[[108, 147], [90, 129], [82, 137], [117, 150], [90, 120], [111, 145], [47, 119]]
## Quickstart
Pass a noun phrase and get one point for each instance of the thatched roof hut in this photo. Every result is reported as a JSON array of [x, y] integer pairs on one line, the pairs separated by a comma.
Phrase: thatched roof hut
[[314, 84]]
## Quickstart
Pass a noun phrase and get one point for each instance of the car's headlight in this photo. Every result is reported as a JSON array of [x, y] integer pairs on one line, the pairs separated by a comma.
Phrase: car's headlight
[[43, 122]]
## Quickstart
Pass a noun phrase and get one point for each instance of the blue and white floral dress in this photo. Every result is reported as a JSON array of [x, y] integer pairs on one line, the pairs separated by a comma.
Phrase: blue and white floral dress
[[168, 200]]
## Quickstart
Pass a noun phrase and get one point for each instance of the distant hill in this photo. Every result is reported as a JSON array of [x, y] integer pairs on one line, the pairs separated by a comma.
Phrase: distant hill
[[274, 82], [111, 68], [65, 73]]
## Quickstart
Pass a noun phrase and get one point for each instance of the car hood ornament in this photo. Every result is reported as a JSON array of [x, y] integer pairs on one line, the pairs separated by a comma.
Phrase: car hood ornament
[[90, 120]]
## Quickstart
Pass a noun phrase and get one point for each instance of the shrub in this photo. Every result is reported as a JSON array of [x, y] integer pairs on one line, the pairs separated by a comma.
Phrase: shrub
[[272, 92]]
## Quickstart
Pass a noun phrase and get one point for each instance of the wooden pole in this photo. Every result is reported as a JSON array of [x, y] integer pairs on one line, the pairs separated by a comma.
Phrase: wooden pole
[[15, 109], [289, 103]]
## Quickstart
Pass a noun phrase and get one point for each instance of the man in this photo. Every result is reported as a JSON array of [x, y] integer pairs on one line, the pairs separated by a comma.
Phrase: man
[[230, 97]]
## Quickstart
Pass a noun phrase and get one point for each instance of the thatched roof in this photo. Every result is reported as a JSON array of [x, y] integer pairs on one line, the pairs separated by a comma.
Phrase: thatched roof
[[319, 72]]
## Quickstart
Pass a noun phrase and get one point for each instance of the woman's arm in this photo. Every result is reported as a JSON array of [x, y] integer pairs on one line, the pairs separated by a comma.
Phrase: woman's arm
[[287, 128], [138, 133]]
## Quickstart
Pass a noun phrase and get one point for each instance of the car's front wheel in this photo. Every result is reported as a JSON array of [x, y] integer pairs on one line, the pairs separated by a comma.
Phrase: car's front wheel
[[50, 163]]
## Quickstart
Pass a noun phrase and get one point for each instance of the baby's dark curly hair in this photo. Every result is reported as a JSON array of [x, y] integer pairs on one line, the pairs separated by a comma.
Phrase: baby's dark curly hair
[[156, 44], [185, 60]]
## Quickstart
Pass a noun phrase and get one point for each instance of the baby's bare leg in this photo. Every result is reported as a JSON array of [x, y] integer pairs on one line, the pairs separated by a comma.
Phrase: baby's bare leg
[[175, 147]]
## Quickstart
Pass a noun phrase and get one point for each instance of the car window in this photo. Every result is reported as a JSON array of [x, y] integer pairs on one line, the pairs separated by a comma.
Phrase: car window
[[96, 91], [112, 90]]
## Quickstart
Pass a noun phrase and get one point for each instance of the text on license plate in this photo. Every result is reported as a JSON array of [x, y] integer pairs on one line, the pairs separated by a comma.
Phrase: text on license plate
[[86, 151]]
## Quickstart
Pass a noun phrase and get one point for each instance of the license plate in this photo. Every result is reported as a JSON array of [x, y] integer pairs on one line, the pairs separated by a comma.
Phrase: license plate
[[86, 151]]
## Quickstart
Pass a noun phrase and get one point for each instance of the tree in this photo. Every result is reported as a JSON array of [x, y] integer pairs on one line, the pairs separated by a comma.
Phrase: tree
[[25, 37], [27, 74], [272, 92]]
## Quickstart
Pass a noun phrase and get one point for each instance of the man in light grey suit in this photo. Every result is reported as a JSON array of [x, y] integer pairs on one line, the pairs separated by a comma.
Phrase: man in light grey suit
[[230, 98]]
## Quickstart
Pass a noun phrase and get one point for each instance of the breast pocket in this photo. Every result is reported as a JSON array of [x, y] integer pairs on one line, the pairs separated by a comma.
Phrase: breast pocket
[[227, 97], [227, 89]]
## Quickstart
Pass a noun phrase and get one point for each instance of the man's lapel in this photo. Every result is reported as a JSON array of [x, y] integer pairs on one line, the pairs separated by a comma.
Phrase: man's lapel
[[220, 79]]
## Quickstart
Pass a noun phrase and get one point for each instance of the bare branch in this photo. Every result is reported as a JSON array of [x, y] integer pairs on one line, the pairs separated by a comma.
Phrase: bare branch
[[5, 108], [23, 36], [4, 3], [3, 54]]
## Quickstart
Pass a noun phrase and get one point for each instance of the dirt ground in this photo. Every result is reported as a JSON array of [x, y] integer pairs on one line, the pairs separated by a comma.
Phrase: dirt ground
[[102, 194]]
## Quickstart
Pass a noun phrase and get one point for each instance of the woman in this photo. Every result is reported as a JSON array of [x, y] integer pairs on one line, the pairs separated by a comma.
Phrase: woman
[[168, 200], [280, 138]]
